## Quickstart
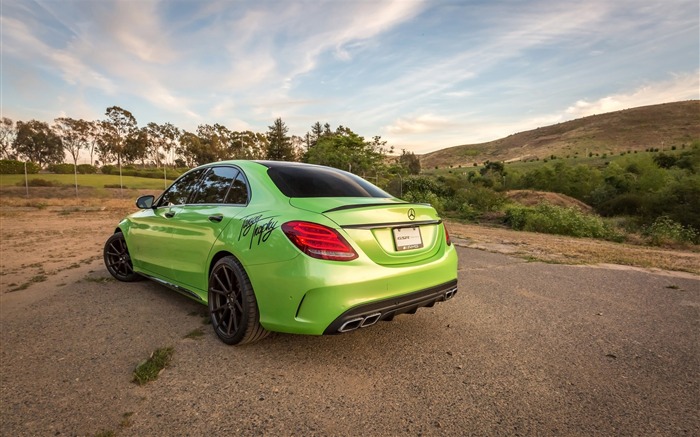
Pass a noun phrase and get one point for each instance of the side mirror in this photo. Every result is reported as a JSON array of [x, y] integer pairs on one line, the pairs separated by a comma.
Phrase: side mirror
[[145, 202]]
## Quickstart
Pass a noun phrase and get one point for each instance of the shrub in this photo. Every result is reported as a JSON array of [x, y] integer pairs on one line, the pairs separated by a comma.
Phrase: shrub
[[426, 197], [474, 201], [87, 169], [38, 182], [11, 166], [664, 230], [550, 219], [108, 169], [61, 168]]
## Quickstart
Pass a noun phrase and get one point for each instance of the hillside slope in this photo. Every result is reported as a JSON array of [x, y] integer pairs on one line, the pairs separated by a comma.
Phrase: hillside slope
[[656, 126]]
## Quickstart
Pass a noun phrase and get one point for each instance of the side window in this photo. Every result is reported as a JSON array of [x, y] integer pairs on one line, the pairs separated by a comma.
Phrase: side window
[[180, 190], [238, 194], [215, 185]]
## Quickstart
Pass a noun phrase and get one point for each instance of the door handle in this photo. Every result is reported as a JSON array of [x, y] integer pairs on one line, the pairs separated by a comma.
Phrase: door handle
[[216, 218], [169, 214]]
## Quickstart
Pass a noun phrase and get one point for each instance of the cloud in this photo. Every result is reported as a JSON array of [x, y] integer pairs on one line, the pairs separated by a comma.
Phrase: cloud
[[681, 87], [421, 124]]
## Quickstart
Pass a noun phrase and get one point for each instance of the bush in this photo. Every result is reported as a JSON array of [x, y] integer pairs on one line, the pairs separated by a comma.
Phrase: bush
[[38, 182], [425, 197], [550, 219], [469, 203], [11, 166], [87, 169], [61, 168], [108, 169], [664, 231]]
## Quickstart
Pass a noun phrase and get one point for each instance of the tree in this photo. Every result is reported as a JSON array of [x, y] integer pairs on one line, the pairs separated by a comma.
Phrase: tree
[[36, 142], [95, 138], [75, 135], [161, 138], [280, 146], [195, 151], [316, 133], [346, 150], [136, 147], [7, 136], [247, 145], [119, 126], [410, 162]]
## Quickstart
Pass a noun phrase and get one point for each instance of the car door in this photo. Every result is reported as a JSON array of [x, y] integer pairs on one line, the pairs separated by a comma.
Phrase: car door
[[150, 233], [220, 196]]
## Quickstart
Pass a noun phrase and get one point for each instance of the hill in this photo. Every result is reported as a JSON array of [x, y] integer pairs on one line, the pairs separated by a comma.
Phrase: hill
[[656, 126]]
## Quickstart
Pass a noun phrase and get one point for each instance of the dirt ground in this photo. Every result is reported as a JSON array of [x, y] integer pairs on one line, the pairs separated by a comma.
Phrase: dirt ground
[[67, 371], [48, 237]]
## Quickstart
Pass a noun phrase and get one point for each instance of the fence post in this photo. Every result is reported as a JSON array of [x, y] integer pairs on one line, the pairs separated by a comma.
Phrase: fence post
[[26, 180]]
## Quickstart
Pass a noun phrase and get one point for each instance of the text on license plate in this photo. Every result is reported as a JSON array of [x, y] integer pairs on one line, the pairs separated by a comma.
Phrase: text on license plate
[[407, 238]]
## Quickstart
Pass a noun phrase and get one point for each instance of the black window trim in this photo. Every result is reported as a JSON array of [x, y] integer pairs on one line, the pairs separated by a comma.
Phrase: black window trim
[[206, 169], [158, 200]]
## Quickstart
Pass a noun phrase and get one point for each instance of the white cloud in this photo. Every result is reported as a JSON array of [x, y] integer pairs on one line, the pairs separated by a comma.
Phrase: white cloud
[[421, 124], [680, 87]]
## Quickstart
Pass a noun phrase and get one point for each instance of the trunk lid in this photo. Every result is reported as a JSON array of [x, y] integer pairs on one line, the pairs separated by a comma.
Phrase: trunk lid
[[388, 231]]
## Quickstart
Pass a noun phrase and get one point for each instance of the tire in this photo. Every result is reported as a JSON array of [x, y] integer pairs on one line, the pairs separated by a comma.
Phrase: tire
[[118, 260], [232, 305]]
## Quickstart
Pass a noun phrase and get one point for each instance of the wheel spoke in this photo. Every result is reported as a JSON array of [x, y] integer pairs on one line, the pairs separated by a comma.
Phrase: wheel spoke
[[117, 248], [219, 292], [223, 286], [221, 307], [230, 323], [238, 306], [228, 279]]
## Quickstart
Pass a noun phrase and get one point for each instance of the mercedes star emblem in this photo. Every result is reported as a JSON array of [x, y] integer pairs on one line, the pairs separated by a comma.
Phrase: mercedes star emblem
[[411, 214]]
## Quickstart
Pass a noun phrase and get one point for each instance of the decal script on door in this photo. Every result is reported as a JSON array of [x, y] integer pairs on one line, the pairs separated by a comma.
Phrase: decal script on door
[[258, 228]]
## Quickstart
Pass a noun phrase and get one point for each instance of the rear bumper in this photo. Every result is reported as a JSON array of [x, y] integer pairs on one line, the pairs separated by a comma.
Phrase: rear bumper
[[369, 314]]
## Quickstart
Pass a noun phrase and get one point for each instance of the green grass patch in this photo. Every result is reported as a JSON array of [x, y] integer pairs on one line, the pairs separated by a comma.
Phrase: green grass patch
[[149, 369], [195, 334], [33, 280], [99, 279], [84, 180], [126, 419]]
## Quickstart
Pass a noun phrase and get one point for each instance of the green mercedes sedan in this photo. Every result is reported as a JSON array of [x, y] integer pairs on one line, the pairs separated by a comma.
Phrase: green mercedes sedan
[[287, 247]]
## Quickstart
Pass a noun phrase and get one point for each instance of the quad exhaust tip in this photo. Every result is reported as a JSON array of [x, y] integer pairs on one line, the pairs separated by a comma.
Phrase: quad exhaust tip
[[365, 321], [449, 294], [360, 322]]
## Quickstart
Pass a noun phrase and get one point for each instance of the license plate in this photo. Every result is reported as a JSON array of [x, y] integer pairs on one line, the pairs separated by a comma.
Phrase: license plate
[[407, 238]]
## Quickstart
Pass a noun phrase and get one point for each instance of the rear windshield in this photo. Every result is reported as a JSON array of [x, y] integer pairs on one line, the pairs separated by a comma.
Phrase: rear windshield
[[315, 181]]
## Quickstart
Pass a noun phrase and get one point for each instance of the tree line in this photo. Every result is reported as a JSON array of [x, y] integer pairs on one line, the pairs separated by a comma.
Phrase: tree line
[[118, 139]]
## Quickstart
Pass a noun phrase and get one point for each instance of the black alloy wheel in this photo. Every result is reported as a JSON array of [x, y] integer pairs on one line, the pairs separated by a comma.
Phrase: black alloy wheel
[[232, 304], [118, 260]]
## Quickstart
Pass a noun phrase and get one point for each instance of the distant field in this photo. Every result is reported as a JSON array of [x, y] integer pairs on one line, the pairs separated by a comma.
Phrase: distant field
[[86, 180]]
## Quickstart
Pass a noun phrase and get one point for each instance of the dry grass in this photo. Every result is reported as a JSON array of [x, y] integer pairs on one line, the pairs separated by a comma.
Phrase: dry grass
[[615, 132], [570, 250]]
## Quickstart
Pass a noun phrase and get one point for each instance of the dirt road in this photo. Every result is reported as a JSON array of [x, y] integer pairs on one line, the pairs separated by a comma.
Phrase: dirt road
[[525, 348]]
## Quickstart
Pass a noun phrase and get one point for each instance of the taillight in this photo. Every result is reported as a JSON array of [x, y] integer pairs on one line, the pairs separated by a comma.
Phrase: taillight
[[319, 241], [447, 236]]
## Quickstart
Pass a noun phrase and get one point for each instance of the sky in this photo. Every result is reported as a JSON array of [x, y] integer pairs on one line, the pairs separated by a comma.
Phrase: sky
[[423, 75]]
